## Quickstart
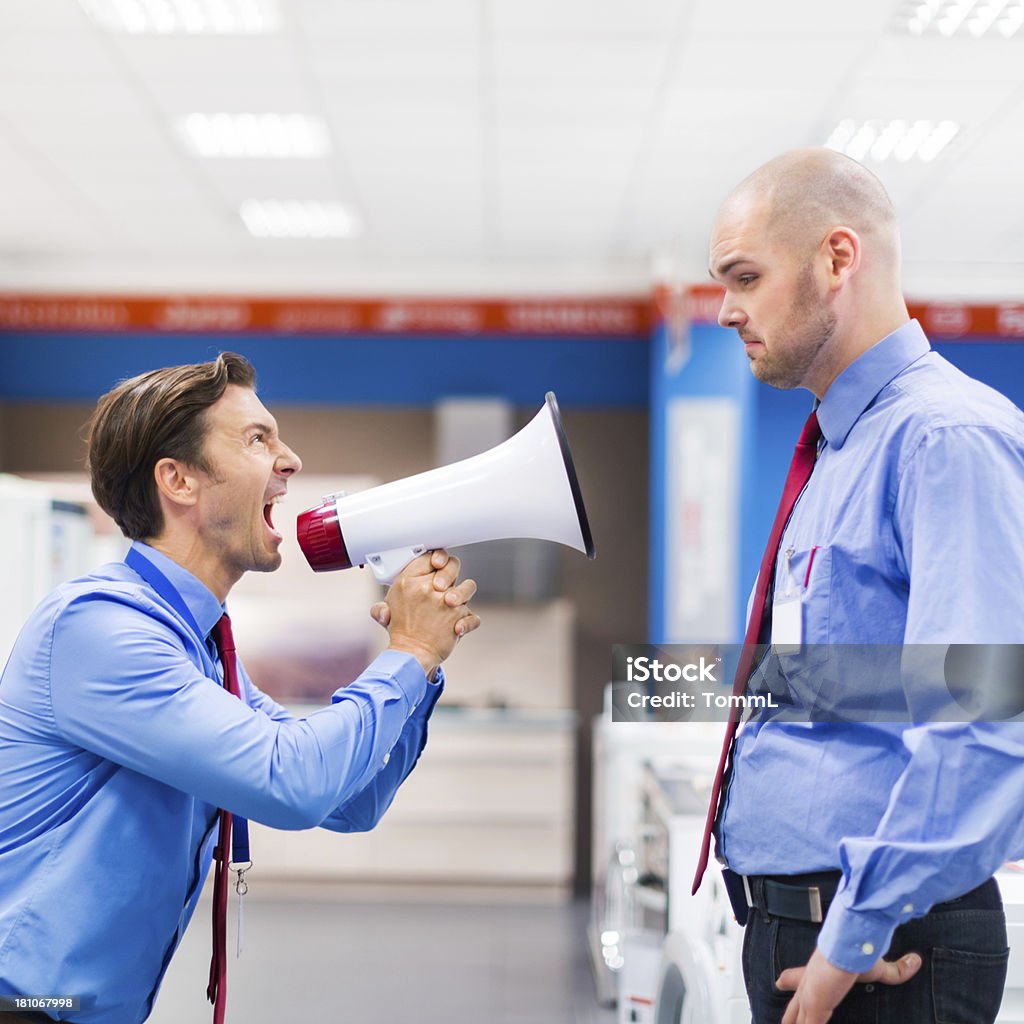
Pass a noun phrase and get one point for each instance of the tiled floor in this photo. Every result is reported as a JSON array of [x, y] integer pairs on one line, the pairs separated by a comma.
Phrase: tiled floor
[[311, 958]]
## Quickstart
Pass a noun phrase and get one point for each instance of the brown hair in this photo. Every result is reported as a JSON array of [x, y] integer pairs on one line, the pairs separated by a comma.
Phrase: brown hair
[[156, 415]]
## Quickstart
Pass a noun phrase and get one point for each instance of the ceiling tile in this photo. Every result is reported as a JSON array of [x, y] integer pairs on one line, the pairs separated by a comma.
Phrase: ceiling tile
[[947, 61], [965, 102], [744, 62], [205, 58], [396, 63], [43, 96], [44, 15], [390, 19], [285, 179], [727, 20], [598, 62], [586, 18], [62, 53]]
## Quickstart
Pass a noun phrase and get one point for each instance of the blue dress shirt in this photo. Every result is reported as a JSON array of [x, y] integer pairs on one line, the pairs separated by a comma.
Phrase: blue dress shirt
[[117, 746], [911, 528]]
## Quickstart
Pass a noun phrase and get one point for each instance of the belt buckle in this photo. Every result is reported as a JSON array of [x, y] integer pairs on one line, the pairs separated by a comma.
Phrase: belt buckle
[[746, 892], [814, 897]]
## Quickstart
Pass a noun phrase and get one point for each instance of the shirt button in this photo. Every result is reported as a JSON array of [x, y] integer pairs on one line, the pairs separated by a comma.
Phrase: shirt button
[[387, 757], [908, 908], [868, 948]]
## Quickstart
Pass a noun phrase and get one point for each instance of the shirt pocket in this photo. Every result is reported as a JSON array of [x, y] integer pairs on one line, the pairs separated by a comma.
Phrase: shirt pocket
[[795, 673], [809, 574]]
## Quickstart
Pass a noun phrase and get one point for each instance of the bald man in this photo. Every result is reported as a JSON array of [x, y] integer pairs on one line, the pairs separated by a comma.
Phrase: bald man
[[862, 854]]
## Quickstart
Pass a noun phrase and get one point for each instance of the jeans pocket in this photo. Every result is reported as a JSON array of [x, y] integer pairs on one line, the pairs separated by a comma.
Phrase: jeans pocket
[[791, 945], [967, 987]]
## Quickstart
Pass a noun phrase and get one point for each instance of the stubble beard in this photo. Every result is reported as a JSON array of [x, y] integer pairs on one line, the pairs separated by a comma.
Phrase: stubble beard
[[264, 557], [243, 551], [270, 562], [808, 328]]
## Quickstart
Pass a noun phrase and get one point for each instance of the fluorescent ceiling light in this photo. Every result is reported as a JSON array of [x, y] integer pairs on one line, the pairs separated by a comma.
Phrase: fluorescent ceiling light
[[192, 17], [256, 135], [892, 140], [299, 218], [975, 18]]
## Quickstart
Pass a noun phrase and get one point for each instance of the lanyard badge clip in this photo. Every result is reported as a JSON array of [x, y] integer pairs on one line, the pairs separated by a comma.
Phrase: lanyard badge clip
[[241, 865], [787, 614]]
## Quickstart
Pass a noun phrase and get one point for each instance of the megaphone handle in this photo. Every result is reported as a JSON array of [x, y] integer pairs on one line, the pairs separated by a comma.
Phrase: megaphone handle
[[386, 565]]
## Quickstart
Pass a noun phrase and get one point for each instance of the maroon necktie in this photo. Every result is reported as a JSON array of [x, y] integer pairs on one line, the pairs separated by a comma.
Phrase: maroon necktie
[[217, 990], [799, 473]]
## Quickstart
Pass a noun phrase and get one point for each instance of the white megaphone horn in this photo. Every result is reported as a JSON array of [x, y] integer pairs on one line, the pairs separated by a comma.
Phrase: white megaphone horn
[[525, 487]]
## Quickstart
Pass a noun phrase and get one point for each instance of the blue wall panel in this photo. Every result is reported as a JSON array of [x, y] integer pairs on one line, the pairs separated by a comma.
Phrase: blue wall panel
[[716, 368], [356, 370]]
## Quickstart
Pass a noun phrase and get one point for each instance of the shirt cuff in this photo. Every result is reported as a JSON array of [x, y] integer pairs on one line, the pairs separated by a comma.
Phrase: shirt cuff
[[853, 940], [407, 672], [437, 684]]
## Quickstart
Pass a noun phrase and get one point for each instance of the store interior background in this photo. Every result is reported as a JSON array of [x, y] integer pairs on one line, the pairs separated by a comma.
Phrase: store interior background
[[505, 149]]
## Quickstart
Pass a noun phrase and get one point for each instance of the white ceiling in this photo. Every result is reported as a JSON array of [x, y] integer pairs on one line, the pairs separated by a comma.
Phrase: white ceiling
[[494, 146]]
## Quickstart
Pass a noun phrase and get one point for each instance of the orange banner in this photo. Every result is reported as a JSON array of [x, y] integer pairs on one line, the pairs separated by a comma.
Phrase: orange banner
[[576, 317], [590, 317]]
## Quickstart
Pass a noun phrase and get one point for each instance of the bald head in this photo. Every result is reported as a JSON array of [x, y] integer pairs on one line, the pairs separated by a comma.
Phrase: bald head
[[807, 250], [805, 193]]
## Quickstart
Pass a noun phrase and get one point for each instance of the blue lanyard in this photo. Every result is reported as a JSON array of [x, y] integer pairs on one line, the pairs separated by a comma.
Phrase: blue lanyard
[[136, 560]]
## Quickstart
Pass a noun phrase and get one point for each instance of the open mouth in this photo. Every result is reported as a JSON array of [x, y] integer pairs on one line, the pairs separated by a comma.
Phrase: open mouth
[[268, 514]]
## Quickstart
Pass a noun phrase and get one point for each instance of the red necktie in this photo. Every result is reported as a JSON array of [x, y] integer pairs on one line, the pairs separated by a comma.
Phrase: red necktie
[[799, 473], [217, 990]]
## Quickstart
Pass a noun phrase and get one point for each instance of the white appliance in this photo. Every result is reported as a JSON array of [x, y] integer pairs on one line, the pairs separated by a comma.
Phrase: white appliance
[[46, 541], [633, 915], [699, 979], [1011, 885]]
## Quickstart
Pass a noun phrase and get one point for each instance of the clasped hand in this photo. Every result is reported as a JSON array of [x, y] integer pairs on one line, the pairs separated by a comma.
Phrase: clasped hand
[[426, 610]]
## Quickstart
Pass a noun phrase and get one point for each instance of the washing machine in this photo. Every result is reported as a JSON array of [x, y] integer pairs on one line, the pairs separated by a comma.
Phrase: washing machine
[[1011, 885], [676, 963], [699, 976], [624, 913]]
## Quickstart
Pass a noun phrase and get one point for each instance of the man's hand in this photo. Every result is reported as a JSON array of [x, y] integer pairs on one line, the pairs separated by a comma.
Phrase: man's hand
[[820, 987], [426, 610]]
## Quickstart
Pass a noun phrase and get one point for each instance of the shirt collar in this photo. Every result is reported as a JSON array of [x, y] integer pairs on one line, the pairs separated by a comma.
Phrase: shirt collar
[[201, 602], [856, 387]]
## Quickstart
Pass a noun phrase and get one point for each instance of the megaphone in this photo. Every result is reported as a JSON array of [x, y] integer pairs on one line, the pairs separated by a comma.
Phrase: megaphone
[[525, 487]]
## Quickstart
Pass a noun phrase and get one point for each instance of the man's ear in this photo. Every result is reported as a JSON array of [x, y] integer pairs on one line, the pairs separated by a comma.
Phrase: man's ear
[[176, 482], [843, 252]]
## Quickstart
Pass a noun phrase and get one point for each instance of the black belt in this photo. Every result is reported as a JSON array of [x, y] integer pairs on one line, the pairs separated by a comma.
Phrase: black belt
[[798, 897], [807, 897]]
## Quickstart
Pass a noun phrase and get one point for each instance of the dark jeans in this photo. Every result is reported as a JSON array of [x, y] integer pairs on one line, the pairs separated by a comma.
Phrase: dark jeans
[[962, 945]]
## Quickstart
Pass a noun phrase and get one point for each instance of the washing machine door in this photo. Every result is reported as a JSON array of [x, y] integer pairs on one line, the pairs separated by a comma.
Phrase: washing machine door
[[688, 990]]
